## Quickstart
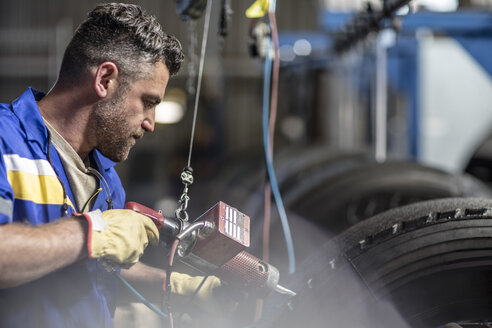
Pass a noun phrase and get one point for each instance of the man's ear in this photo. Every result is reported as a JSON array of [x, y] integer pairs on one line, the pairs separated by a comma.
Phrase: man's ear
[[105, 79]]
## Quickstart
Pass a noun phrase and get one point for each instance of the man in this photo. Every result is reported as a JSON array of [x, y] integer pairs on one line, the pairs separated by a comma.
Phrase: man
[[60, 197]]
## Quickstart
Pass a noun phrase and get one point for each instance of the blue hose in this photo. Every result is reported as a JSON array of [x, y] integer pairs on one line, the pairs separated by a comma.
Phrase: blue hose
[[140, 297], [269, 165]]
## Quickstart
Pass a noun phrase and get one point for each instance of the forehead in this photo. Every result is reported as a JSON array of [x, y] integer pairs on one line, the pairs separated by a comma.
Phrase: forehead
[[155, 83]]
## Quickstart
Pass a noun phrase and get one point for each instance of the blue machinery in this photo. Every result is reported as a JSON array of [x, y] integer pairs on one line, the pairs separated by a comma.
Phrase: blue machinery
[[338, 34]]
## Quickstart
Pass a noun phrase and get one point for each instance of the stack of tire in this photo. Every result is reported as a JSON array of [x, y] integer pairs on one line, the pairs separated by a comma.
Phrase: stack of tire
[[393, 244]]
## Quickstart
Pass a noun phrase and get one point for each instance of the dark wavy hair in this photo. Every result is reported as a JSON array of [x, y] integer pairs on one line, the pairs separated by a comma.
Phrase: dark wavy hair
[[123, 34]]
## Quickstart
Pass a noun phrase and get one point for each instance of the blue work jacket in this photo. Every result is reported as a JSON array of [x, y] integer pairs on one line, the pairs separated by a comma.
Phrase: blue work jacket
[[34, 189]]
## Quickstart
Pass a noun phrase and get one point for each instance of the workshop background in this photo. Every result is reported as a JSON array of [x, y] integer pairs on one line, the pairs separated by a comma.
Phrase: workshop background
[[380, 104]]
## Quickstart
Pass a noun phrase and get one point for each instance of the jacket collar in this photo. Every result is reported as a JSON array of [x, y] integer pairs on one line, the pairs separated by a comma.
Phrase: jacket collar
[[102, 161], [26, 109]]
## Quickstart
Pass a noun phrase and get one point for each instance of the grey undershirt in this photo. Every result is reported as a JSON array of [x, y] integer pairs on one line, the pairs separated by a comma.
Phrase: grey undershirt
[[83, 183]]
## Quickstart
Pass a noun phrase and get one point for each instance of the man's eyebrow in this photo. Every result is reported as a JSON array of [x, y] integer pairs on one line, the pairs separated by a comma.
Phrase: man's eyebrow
[[154, 99]]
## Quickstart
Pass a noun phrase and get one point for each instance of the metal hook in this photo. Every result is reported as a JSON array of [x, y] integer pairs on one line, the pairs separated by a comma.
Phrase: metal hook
[[187, 179]]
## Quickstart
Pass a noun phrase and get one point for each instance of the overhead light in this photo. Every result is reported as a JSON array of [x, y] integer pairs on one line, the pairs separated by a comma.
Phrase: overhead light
[[172, 108], [439, 5], [302, 47]]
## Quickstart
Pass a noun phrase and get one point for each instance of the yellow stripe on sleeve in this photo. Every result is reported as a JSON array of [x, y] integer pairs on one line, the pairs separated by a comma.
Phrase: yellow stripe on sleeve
[[40, 189]]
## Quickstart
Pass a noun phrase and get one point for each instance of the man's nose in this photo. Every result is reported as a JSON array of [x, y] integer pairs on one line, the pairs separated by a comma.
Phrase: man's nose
[[148, 123]]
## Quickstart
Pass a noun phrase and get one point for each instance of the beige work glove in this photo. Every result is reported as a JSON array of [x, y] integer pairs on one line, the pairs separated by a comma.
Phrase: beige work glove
[[211, 299], [119, 236]]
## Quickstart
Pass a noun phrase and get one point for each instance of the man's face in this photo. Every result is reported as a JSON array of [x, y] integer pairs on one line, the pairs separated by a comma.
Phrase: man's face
[[125, 116]]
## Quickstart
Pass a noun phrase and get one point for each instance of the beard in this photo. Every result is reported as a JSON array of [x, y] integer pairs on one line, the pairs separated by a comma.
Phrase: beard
[[114, 137]]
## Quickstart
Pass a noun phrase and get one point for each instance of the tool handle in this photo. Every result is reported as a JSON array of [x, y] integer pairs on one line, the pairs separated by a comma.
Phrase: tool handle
[[156, 216]]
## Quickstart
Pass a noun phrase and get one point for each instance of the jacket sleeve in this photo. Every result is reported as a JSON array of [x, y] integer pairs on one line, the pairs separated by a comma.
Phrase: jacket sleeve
[[6, 193]]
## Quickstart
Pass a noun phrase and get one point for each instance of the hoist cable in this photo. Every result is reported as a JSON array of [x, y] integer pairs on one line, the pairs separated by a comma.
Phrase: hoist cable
[[197, 95], [187, 174], [200, 74], [188, 171]]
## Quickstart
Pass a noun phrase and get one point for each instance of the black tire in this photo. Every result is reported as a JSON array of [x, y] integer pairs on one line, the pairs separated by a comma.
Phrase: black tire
[[480, 163], [240, 182], [355, 194], [336, 202], [422, 265]]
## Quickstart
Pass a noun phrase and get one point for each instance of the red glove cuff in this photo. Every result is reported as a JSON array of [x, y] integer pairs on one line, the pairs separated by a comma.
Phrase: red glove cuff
[[89, 231]]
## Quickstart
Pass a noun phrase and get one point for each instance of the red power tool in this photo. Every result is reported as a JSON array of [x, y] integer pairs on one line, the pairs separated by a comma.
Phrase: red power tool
[[215, 244]]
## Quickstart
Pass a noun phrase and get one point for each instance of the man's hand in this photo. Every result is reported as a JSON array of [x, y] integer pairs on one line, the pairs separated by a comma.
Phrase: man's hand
[[208, 294], [119, 236]]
